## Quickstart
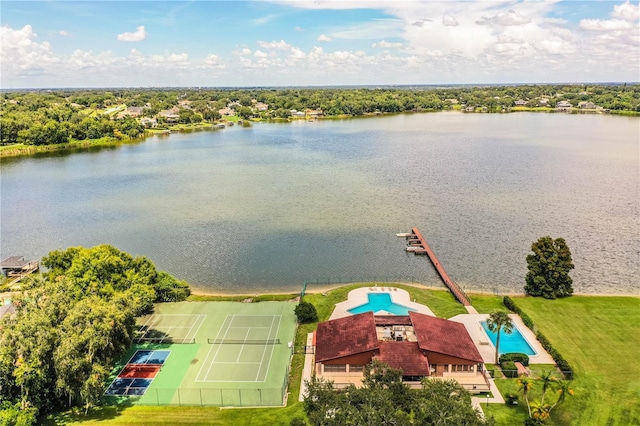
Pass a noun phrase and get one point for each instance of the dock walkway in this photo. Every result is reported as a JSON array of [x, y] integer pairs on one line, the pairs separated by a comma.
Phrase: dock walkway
[[418, 245]]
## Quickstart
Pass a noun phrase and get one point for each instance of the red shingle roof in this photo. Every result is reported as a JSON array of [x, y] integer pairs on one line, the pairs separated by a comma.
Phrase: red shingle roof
[[406, 356], [444, 336], [346, 336]]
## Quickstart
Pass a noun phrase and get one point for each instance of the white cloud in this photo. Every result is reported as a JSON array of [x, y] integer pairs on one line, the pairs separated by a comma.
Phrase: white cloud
[[507, 18], [297, 54], [323, 37], [139, 35], [213, 62], [372, 30], [386, 45], [280, 45], [449, 21], [64, 33], [626, 11], [260, 54], [607, 25], [299, 29], [21, 55]]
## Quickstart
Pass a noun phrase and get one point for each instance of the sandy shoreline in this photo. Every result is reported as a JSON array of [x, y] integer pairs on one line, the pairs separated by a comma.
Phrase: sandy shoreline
[[322, 288]]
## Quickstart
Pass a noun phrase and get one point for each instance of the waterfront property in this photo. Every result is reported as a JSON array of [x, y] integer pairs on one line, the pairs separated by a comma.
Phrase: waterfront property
[[420, 345], [509, 342], [17, 266]]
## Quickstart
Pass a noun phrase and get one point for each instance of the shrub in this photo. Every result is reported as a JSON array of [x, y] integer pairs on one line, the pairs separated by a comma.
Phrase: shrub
[[509, 369], [515, 357], [511, 399], [306, 312]]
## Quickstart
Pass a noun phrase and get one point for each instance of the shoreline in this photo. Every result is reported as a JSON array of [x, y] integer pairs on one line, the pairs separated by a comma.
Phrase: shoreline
[[108, 141], [328, 287]]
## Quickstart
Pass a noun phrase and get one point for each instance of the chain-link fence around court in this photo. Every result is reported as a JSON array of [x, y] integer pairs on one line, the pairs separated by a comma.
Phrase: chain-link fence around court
[[214, 397]]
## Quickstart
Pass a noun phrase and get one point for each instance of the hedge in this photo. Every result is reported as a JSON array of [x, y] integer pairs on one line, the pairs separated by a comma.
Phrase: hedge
[[509, 369], [562, 363], [511, 305], [515, 357]]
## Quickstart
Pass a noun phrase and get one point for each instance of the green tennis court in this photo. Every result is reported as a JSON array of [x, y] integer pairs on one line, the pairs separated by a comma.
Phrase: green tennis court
[[222, 353]]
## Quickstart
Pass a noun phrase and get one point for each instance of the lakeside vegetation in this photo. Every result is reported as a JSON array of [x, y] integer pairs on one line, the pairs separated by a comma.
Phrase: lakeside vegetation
[[71, 325], [37, 121], [598, 335]]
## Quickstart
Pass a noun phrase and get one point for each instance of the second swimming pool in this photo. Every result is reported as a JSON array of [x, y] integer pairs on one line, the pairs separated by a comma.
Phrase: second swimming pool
[[514, 342]]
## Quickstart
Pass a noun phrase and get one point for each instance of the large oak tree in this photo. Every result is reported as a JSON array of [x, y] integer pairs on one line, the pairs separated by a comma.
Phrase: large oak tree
[[549, 268]]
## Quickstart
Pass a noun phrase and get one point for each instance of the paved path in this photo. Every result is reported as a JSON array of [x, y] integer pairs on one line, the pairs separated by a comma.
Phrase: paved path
[[307, 371]]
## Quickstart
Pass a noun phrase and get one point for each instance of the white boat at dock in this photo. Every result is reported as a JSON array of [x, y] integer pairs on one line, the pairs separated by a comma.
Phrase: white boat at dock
[[404, 234]]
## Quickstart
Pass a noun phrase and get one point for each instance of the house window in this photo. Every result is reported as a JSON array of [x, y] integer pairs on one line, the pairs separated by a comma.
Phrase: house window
[[335, 368], [356, 368], [463, 367]]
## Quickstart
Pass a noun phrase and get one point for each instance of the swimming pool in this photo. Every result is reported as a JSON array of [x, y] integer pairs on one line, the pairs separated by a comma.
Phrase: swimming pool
[[381, 302], [514, 342]]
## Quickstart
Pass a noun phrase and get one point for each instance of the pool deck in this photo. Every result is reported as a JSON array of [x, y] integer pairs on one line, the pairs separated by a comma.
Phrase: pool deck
[[485, 346], [359, 297]]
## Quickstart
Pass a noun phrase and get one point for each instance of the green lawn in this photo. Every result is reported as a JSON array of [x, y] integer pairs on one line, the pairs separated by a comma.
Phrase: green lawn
[[599, 336]]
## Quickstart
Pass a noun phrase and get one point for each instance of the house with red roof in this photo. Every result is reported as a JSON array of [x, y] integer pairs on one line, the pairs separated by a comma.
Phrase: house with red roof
[[420, 345]]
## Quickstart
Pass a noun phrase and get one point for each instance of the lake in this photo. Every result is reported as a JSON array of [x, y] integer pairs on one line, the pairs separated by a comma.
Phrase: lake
[[267, 207]]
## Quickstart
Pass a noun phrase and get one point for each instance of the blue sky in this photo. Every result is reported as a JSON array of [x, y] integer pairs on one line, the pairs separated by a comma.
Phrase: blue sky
[[322, 42]]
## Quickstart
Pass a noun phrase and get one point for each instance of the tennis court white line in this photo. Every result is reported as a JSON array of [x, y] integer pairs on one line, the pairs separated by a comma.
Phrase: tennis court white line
[[209, 353], [264, 350], [146, 322], [243, 345], [201, 317], [271, 354], [275, 320]]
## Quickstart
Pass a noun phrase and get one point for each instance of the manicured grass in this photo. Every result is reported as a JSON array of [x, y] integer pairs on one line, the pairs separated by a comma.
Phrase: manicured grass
[[180, 416], [599, 336], [252, 298], [486, 304]]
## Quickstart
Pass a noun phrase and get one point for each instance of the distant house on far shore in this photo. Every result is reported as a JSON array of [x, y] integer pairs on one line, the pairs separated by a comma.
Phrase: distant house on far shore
[[17, 265]]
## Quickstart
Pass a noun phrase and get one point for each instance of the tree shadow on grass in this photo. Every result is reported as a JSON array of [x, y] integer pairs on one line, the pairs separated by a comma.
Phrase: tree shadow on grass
[[110, 409]]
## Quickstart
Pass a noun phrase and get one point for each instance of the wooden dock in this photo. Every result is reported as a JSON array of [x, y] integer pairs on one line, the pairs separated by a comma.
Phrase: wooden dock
[[418, 245]]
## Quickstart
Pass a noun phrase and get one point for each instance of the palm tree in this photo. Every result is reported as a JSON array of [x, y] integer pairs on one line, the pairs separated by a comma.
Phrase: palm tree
[[526, 383], [564, 389], [498, 321], [547, 379], [540, 411]]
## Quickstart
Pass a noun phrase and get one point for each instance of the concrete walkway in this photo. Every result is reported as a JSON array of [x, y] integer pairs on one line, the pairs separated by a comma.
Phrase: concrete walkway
[[496, 397], [307, 370]]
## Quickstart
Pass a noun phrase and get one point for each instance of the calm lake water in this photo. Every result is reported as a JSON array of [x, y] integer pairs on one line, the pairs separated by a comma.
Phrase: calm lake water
[[265, 208]]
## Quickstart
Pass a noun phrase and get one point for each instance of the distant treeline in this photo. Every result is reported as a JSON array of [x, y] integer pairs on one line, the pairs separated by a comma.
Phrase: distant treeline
[[61, 116]]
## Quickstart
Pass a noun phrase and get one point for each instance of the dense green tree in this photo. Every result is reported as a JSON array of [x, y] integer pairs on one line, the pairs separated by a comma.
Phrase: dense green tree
[[306, 312], [549, 268], [385, 400], [72, 324], [498, 322]]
